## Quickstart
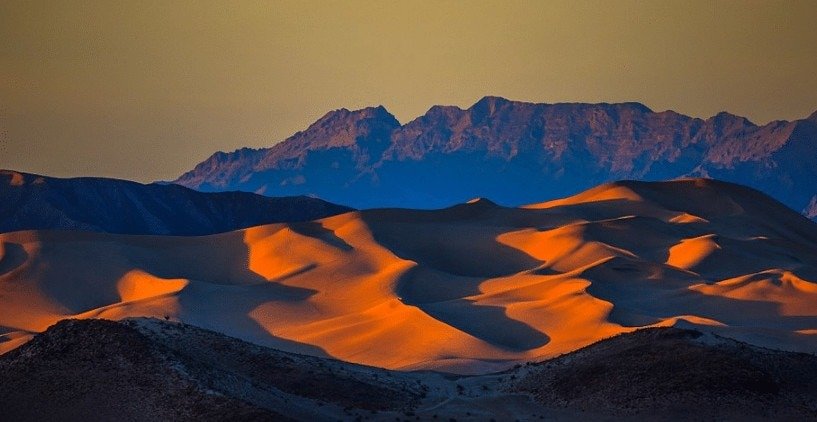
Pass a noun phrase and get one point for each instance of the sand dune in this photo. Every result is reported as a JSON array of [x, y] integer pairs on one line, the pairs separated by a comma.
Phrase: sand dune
[[472, 288]]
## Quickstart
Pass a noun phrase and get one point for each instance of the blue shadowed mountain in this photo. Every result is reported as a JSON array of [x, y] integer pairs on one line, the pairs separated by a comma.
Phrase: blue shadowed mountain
[[516, 152], [33, 202]]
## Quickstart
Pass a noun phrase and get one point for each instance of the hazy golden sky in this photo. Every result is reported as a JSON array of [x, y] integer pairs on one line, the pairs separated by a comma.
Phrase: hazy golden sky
[[144, 90]]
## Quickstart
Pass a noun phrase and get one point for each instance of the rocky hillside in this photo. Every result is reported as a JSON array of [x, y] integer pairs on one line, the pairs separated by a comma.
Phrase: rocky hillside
[[33, 202], [515, 152], [677, 374], [147, 369], [151, 370]]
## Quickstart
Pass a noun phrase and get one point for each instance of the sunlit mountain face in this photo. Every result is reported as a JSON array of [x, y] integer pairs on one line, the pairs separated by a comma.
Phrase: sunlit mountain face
[[516, 153]]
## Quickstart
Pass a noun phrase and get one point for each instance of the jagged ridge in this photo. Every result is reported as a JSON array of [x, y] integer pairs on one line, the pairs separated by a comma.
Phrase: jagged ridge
[[515, 152]]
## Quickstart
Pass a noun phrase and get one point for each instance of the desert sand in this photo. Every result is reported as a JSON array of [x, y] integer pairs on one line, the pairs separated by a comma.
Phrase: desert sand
[[469, 289]]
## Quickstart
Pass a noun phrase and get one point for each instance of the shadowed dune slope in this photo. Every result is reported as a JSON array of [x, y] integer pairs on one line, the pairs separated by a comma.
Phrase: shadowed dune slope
[[467, 289]]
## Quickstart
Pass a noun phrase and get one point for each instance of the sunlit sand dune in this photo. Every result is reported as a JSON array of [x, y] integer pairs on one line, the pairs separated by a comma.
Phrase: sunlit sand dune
[[472, 288]]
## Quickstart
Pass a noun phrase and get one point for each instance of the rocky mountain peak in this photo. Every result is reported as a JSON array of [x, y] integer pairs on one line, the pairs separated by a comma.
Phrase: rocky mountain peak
[[489, 106], [338, 129], [728, 119], [493, 102], [441, 111], [636, 107], [345, 116]]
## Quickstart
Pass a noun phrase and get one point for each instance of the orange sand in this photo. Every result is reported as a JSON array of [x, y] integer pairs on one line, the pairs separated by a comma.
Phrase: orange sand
[[472, 288]]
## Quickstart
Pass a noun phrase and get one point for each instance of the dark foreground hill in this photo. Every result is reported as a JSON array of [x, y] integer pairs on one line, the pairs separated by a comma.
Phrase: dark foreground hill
[[151, 370], [154, 370], [678, 374], [515, 153], [33, 202]]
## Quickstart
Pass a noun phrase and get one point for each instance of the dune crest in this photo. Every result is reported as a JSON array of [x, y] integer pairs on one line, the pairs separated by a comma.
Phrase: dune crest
[[690, 252], [470, 289], [138, 285]]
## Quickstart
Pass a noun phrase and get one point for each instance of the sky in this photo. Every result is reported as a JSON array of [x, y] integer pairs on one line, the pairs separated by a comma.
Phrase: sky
[[144, 90]]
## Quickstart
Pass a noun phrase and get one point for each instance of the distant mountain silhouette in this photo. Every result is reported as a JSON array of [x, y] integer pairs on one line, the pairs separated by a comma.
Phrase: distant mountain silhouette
[[514, 153], [33, 202]]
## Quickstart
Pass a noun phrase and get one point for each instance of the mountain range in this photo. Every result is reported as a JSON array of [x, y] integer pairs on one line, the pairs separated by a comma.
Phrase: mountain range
[[514, 153], [34, 202]]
